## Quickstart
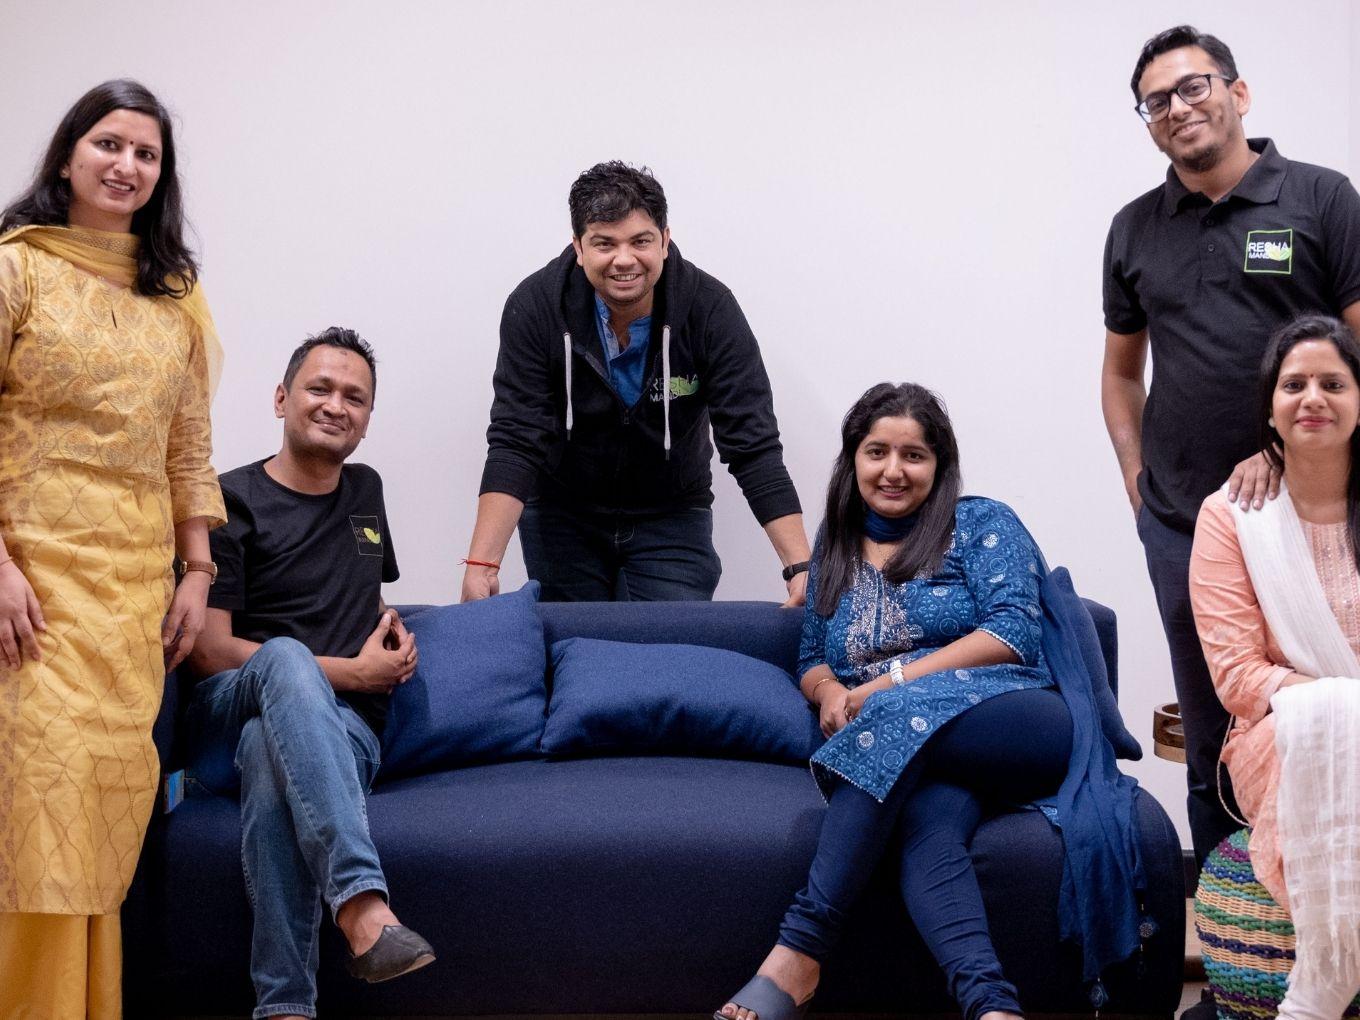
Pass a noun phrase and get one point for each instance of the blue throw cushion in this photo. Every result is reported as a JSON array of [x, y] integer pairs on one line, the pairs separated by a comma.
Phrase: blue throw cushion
[[1069, 614], [617, 697], [478, 693]]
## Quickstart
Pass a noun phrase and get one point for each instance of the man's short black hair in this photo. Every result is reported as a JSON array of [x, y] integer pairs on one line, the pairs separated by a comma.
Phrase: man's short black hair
[[336, 336], [1176, 38], [608, 192]]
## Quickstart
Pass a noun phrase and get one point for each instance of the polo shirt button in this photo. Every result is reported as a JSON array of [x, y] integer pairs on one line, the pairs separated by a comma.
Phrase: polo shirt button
[[1213, 247], [1209, 221]]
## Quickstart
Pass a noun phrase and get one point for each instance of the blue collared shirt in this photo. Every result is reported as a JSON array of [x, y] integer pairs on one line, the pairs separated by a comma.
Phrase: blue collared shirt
[[626, 367]]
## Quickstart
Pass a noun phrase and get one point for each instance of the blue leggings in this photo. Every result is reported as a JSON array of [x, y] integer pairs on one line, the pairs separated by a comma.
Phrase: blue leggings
[[1010, 749]]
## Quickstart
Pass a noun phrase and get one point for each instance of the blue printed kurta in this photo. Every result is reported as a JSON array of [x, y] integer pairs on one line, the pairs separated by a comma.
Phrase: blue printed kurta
[[988, 581]]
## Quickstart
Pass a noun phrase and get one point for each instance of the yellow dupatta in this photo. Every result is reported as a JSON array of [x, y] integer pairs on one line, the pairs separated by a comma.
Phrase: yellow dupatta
[[113, 257]]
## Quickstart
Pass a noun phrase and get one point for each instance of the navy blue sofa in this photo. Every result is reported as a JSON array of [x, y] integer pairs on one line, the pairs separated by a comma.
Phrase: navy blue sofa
[[624, 885]]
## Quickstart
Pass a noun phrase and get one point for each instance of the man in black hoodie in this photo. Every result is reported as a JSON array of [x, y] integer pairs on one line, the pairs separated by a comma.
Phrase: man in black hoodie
[[615, 359]]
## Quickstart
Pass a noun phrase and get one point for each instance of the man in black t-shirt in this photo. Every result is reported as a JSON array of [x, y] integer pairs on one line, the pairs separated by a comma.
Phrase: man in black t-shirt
[[1204, 268], [299, 656]]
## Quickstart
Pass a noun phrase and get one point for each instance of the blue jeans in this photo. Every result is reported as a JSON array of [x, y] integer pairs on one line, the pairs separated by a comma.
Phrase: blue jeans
[[579, 556], [1202, 714], [1009, 749], [305, 760]]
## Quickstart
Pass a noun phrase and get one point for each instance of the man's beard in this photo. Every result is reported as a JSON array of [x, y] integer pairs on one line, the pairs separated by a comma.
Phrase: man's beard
[[1200, 162]]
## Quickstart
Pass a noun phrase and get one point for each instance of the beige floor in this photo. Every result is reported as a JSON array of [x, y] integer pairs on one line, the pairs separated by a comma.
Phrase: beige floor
[[1190, 995]]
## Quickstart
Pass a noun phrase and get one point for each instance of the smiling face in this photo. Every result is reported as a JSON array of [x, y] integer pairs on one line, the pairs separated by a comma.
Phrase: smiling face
[[325, 411], [1195, 138], [894, 467], [1316, 404], [623, 260], [113, 169]]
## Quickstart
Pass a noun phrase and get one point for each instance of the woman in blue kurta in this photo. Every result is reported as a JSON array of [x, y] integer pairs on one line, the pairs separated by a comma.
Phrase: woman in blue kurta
[[921, 652]]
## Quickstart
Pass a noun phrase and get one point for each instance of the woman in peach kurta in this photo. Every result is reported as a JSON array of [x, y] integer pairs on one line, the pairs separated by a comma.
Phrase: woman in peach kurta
[[1288, 577], [1247, 664], [104, 474]]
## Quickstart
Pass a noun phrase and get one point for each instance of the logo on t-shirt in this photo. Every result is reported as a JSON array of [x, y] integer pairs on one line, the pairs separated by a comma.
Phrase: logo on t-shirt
[[366, 533], [1270, 251]]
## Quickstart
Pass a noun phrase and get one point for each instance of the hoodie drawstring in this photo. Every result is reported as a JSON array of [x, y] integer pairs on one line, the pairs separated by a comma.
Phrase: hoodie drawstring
[[666, 387], [566, 350]]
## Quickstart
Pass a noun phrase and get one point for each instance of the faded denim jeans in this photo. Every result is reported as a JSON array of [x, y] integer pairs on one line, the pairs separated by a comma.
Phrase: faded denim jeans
[[306, 760]]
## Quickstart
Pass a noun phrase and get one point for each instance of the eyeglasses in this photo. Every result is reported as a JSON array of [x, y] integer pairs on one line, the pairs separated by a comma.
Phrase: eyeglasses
[[1156, 105]]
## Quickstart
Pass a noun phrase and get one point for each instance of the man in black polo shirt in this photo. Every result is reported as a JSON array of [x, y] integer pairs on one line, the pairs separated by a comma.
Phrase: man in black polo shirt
[[1205, 267], [299, 657]]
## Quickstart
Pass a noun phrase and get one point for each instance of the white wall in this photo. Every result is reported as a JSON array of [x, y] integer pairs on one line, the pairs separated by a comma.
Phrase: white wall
[[1354, 104], [901, 191]]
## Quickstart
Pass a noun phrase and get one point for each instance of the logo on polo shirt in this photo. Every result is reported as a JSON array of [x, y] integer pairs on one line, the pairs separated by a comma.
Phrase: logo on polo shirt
[[366, 534], [1270, 251]]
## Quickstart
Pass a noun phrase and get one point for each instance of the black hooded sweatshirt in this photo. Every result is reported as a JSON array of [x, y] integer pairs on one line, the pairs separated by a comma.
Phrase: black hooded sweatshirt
[[594, 452]]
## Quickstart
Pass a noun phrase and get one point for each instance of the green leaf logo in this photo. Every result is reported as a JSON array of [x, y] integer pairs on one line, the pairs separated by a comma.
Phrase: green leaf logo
[[1269, 251], [682, 387], [373, 536]]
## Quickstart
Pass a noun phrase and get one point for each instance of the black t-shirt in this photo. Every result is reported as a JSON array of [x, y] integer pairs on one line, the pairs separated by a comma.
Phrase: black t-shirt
[[308, 567], [1211, 282]]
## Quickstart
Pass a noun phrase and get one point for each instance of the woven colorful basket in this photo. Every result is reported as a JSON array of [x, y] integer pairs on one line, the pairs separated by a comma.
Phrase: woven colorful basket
[[1248, 938]]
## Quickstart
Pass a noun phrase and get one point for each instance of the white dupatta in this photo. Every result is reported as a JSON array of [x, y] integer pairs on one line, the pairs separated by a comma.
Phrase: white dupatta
[[1317, 738]]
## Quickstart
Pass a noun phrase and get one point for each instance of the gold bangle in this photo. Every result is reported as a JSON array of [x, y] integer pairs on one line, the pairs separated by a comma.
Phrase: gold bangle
[[812, 694]]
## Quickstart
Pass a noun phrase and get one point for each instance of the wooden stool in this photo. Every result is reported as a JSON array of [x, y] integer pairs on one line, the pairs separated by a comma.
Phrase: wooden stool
[[1168, 735]]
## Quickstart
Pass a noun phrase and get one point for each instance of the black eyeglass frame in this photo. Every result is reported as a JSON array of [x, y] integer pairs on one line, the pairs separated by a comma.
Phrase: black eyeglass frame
[[1142, 110]]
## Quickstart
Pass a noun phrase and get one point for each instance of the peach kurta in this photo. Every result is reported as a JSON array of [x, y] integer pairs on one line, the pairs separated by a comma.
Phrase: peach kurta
[[104, 447], [1247, 665]]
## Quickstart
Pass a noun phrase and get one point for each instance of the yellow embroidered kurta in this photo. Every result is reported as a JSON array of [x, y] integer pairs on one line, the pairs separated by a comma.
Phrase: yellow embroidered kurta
[[104, 447]]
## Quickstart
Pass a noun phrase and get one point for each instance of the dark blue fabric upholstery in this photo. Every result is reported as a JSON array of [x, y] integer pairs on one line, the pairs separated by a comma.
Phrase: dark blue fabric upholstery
[[759, 629], [1069, 613], [626, 697], [624, 885], [1108, 635], [477, 693]]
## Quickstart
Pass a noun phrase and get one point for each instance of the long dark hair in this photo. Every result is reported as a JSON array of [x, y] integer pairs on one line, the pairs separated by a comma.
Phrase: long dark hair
[[1302, 330], [165, 265], [843, 528]]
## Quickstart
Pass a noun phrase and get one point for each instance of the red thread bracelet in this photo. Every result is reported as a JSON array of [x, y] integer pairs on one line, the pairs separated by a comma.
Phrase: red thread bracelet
[[482, 563]]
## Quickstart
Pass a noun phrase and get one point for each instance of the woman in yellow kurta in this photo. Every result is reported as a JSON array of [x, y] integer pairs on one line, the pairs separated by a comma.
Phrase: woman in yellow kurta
[[105, 347]]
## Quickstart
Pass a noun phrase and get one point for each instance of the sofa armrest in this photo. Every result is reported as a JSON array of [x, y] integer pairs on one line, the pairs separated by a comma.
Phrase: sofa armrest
[[1108, 632], [166, 727]]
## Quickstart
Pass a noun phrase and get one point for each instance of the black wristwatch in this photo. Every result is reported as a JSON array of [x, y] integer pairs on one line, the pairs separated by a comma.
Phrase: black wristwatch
[[794, 569]]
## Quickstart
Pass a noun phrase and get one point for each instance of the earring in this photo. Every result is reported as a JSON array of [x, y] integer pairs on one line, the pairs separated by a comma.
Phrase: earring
[[1270, 422]]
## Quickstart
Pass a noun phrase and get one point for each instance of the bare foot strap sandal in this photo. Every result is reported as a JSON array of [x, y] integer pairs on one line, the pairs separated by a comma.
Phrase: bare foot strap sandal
[[767, 1000]]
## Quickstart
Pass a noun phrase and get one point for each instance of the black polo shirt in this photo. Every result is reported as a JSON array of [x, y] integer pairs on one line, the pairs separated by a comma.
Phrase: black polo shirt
[[1211, 281]]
